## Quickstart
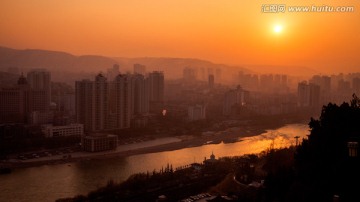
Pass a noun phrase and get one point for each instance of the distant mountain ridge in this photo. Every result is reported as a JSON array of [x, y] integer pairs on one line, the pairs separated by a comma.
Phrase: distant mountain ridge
[[63, 64], [52, 60], [57, 61]]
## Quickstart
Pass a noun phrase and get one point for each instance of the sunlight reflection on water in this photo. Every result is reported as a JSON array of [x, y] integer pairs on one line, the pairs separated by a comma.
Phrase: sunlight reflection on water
[[50, 182]]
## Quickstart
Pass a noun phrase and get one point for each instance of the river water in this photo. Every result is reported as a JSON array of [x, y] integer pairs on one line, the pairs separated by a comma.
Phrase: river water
[[50, 182]]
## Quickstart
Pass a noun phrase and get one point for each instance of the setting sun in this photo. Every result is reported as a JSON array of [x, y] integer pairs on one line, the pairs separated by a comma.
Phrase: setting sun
[[278, 28], [179, 100]]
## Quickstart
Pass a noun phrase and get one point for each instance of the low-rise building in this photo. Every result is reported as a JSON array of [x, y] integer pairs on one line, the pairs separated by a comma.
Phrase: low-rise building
[[197, 112], [41, 117], [210, 161], [66, 130], [99, 142]]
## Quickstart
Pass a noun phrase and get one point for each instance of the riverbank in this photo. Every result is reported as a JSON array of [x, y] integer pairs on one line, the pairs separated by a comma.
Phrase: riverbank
[[61, 180], [230, 135]]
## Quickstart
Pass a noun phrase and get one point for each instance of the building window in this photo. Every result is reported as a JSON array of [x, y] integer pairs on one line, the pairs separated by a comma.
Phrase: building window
[[353, 149]]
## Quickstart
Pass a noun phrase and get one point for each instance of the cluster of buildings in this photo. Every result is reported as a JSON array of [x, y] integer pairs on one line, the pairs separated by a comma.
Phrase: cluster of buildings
[[264, 82], [117, 102], [114, 101], [192, 74], [271, 94], [197, 112], [320, 90], [104, 104], [29, 100], [234, 99], [110, 102]]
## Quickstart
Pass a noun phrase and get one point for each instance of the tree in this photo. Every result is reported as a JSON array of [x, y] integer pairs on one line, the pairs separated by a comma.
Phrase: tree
[[322, 161]]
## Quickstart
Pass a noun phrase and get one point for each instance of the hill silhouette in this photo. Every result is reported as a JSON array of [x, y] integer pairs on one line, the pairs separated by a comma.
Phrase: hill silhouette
[[52, 60], [63, 63]]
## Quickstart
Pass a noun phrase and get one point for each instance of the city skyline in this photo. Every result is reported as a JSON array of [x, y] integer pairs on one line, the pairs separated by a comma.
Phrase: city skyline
[[206, 100], [232, 33]]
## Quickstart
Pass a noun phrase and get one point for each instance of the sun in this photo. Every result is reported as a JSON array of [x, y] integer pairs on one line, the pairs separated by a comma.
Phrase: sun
[[278, 28]]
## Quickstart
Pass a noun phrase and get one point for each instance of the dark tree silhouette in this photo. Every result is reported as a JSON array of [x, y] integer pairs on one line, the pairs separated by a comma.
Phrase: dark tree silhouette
[[323, 163]]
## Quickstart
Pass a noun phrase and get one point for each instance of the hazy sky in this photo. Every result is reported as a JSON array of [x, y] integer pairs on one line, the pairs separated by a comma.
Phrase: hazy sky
[[223, 31]]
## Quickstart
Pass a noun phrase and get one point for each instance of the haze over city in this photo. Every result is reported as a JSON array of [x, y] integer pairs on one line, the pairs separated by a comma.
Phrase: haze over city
[[184, 101], [232, 32]]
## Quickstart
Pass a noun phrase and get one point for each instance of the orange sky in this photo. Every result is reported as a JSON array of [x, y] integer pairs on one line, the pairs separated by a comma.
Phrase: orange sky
[[222, 31]]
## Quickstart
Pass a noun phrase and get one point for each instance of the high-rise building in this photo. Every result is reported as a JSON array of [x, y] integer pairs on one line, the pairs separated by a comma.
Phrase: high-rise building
[[104, 105], [91, 103], [314, 95], [303, 94], [123, 101], [266, 82], [189, 74], [324, 82], [15, 102], [356, 86], [156, 91], [40, 84], [113, 72], [235, 98], [308, 95], [211, 81], [156, 86], [344, 87], [284, 80], [197, 112], [140, 95], [39, 79], [101, 103], [202, 74], [84, 103], [248, 81], [277, 80], [139, 69], [29, 100], [66, 103]]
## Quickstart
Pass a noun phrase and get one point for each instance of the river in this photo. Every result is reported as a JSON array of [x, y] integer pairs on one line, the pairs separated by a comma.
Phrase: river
[[50, 182]]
